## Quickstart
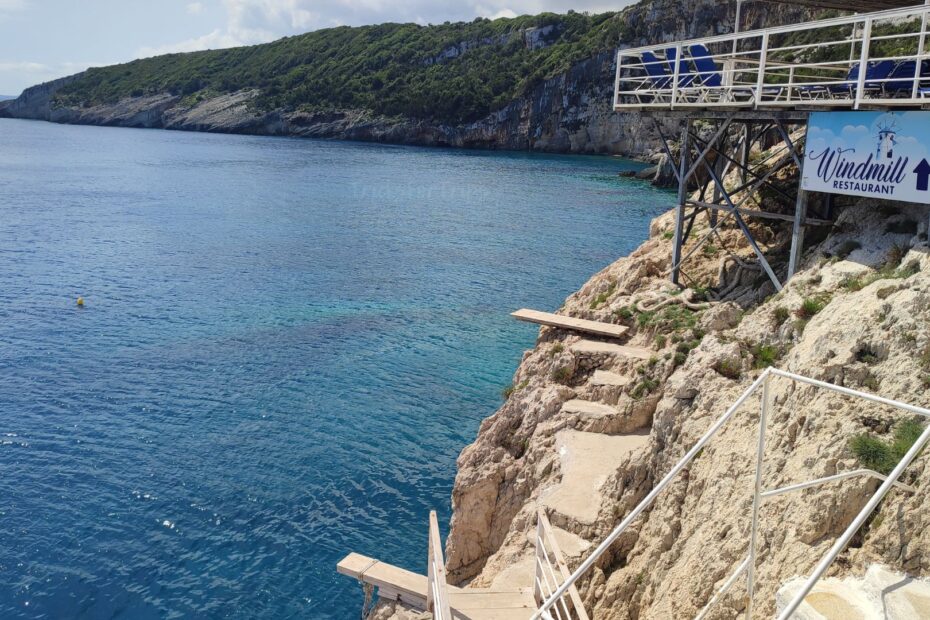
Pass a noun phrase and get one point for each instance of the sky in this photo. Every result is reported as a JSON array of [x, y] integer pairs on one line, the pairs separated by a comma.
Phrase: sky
[[44, 39]]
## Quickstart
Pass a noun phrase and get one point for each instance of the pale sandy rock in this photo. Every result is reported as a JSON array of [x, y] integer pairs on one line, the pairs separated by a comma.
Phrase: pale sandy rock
[[671, 561], [880, 594]]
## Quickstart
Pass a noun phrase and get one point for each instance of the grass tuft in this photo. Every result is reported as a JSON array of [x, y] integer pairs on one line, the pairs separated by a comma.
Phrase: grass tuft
[[882, 456]]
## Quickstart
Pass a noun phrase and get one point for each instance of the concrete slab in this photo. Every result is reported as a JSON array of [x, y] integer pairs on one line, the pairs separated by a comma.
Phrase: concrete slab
[[587, 460], [603, 377], [593, 347]]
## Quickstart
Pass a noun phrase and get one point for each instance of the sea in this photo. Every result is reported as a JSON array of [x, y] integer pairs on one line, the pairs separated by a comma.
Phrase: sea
[[283, 346]]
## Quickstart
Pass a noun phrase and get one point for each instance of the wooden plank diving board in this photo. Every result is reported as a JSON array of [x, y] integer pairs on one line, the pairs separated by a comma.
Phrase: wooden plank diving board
[[392, 582], [398, 584], [566, 322]]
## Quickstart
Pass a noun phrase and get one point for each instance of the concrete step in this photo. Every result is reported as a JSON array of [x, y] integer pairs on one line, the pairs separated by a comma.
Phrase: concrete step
[[587, 460], [593, 347], [603, 377], [588, 407], [572, 545]]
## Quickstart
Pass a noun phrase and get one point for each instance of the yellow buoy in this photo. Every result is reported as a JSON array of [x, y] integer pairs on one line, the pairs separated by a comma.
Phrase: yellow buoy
[[80, 301]]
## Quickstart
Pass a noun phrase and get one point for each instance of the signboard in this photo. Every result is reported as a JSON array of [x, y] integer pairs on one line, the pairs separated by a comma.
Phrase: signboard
[[873, 154]]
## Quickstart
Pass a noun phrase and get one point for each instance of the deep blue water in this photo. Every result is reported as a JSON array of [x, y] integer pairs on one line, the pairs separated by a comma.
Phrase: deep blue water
[[285, 345]]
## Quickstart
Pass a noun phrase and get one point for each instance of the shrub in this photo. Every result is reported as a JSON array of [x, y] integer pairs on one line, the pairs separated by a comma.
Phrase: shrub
[[660, 341], [810, 307], [668, 234], [867, 355], [781, 315], [728, 368], [508, 391], [563, 374], [765, 355], [644, 387], [603, 297], [624, 313], [556, 349], [882, 456]]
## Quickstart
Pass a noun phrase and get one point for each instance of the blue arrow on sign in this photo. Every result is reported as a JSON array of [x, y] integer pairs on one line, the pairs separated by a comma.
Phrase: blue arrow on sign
[[923, 175]]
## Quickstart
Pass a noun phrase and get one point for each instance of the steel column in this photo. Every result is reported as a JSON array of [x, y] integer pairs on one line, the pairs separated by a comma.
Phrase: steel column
[[682, 198]]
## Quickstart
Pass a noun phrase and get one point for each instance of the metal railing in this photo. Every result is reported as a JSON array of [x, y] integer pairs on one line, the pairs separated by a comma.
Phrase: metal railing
[[437, 591], [551, 573], [747, 566], [870, 60]]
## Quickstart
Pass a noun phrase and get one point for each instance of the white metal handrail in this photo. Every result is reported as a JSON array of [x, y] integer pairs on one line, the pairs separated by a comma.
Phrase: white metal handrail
[[748, 565], [765, 68], [551, 572], [437, 591]]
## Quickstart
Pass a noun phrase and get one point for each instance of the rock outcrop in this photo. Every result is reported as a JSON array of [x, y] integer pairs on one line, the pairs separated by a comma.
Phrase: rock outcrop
[[858, 315]]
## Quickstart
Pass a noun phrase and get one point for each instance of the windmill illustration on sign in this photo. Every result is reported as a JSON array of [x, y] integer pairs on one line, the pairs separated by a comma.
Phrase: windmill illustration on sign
[[887, 132]]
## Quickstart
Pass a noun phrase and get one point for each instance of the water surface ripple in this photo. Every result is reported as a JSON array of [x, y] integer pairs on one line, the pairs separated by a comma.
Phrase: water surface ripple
[[285, 345]]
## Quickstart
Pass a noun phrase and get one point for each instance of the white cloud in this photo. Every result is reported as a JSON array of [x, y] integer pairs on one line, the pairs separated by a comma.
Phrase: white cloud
[[32, 67], [195, 8], [213, 40], [259, 21]]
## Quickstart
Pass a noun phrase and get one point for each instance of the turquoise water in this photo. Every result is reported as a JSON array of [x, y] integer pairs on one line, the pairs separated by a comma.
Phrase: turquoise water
[[285, 345]]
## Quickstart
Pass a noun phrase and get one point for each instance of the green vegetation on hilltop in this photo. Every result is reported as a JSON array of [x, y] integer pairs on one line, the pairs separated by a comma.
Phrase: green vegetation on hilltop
[[391, 69]]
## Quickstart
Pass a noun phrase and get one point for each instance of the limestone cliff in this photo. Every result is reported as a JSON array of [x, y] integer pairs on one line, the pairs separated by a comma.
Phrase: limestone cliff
[[570, 112], [856, 315]]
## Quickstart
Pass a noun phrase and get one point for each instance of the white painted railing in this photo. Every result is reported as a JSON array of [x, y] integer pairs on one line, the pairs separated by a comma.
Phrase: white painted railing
[[551, 573], [437, 592], [747, 566], [815, 64]]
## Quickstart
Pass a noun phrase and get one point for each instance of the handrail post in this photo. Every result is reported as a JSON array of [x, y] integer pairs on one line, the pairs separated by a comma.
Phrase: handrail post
[[676, 71], [863, 60], [430, 571], [617, 79], [921, 42], [537, 581], [757, 496], [437, 598], [841, 543], [763, 58]]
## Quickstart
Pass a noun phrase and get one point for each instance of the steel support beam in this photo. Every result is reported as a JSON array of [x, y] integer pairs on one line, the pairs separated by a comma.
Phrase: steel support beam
[[682, 198]]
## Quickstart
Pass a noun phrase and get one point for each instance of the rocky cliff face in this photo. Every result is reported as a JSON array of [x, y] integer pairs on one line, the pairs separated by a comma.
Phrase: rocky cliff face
[[589, 429], [569, 113]]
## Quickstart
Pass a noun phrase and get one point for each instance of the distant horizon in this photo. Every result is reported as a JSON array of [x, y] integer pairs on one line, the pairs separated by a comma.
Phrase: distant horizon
[[55, 38]]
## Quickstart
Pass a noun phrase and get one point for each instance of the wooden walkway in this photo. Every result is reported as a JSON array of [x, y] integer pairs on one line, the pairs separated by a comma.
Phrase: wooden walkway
[[397, 584], [566, 322]]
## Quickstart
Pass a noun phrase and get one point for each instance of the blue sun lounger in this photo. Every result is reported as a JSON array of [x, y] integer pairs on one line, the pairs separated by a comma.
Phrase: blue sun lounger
[[875, 74], [685, 76], [901, 80], [656, 71]]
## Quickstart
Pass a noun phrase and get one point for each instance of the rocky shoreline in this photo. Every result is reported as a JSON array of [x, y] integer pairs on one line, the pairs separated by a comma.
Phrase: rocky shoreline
[[857, 315], [567, 113]]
